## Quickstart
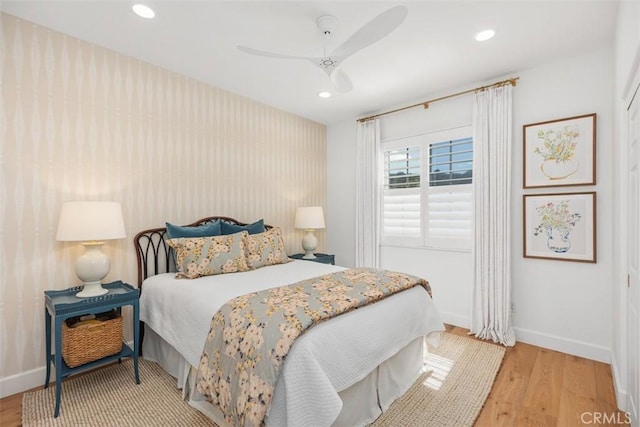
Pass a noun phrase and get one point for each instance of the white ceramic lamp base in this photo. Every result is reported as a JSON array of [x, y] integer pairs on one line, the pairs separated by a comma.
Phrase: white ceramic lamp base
[[309, 244], [91, 267], [92, 290]]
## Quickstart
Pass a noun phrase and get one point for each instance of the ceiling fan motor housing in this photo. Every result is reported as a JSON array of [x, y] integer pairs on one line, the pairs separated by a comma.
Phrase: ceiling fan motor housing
[[327, 24]]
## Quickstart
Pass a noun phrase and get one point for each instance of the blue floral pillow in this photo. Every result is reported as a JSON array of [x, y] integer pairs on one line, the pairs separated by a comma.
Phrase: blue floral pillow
[[206, 256]]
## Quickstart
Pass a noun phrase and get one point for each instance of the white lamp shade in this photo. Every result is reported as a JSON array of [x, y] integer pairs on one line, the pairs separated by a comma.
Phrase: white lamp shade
[[309, 218], [85, 221]]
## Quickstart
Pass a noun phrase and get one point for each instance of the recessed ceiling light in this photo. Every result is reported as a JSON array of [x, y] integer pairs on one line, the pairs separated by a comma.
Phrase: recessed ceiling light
[[324, 94], [143, 11], [484, 35]]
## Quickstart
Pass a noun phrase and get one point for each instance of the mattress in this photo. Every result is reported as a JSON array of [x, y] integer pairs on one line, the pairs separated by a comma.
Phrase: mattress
[[331, 357]]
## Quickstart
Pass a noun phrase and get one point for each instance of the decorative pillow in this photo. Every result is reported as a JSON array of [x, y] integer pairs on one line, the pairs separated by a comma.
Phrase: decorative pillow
[[255, 228], [206, 256], [265, 249], [209, 229]]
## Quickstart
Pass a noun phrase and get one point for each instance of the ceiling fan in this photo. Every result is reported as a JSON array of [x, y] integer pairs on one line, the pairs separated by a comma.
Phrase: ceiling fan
[[374, 30]]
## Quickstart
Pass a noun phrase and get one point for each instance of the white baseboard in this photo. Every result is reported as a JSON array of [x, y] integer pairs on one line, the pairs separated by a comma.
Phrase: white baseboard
[[24, 381], [455, 319], [564, 345], [618, 388], [553, 342], [19, 383]]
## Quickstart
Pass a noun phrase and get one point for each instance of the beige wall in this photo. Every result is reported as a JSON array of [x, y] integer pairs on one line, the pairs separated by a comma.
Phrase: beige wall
[[79, 122]]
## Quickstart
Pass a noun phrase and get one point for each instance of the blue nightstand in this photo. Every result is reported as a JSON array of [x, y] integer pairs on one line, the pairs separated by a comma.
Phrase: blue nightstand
[[321, 258], [62, 305]]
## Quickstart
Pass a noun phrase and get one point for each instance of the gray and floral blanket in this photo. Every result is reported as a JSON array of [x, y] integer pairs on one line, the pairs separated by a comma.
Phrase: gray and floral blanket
[[251, 335]]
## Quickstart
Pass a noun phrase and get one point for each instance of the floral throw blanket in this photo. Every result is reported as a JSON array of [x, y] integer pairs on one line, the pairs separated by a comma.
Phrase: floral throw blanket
[[251, 335]]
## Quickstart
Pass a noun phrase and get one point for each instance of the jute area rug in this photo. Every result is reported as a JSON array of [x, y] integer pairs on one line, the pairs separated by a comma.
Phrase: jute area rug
[[457, 379]]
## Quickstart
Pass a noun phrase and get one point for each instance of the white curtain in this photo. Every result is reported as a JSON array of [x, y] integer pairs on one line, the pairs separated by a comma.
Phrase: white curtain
[[492, 139], [368, 194]]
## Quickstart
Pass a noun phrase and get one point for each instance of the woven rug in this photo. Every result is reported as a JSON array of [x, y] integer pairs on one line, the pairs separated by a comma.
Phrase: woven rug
[[458, 378], [450, 393]]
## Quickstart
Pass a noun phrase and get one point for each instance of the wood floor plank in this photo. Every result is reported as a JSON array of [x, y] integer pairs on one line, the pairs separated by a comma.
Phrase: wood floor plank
[[604, 383], [505, 400], [578, 391], [605, 399], [528, 417], [545, 385], [11, 411]]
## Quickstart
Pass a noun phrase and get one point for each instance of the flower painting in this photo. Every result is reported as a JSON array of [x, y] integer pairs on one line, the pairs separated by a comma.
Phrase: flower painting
[[556, 221], [560, 226], [560, 152]]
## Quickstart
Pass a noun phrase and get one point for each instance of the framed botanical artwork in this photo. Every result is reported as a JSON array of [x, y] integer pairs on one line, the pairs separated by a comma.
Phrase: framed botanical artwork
[[560, 153], [560, 226]]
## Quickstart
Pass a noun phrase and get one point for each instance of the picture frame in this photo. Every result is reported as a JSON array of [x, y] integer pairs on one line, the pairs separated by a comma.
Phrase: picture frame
[[560, 153], [560, 226]]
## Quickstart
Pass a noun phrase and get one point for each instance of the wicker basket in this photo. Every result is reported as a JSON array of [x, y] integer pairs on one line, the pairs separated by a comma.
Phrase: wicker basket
[[86, 343]]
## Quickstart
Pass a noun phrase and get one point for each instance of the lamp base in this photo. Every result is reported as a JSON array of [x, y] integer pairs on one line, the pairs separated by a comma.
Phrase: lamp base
[[309, 244], [91, 267], [92, 289]]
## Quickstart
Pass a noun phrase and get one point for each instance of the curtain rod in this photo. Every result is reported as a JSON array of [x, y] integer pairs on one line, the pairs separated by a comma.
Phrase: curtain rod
[[425, 104]]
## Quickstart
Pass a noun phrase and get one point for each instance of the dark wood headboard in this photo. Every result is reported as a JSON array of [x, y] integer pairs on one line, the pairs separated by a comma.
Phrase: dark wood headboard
[[154, 255]]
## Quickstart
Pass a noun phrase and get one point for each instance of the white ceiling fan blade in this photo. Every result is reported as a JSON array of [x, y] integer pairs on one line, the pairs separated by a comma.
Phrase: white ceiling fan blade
[[340, 81], [269, 54], [376, 29]]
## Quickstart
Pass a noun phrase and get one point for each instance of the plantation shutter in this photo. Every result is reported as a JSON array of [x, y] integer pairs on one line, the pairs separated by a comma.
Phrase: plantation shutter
[[401, 194], [450, 195], [450, 216]]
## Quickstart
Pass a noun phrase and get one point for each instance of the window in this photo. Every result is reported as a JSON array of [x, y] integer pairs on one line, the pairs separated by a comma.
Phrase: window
[[427, 195], [450, 162]]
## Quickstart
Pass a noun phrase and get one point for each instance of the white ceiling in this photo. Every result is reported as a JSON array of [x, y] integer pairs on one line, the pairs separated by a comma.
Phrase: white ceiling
[[432, 50]]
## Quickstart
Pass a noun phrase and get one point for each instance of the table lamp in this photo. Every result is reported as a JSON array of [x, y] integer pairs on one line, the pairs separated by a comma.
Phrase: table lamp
[[91, 222], [309, 219]]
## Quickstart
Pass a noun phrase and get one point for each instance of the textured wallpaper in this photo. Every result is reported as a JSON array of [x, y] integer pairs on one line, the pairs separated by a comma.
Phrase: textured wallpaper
[[80, 122]]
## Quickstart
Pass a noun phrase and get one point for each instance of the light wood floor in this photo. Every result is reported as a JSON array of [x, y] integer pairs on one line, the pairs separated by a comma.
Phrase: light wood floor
[[534, 387], [540, 387]]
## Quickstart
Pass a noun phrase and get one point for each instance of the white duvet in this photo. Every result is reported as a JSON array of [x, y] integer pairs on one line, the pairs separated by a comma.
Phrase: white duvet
[[327, 359]]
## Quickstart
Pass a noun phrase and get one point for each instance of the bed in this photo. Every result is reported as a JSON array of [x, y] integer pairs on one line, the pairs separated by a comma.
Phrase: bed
[[342, 372]]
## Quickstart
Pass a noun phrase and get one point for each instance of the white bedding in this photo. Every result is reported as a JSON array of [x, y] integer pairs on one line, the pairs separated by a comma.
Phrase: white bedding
[[329, 358]]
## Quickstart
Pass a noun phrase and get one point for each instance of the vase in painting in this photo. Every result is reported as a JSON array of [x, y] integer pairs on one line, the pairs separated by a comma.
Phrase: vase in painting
[[558, 239], [554, 169]]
